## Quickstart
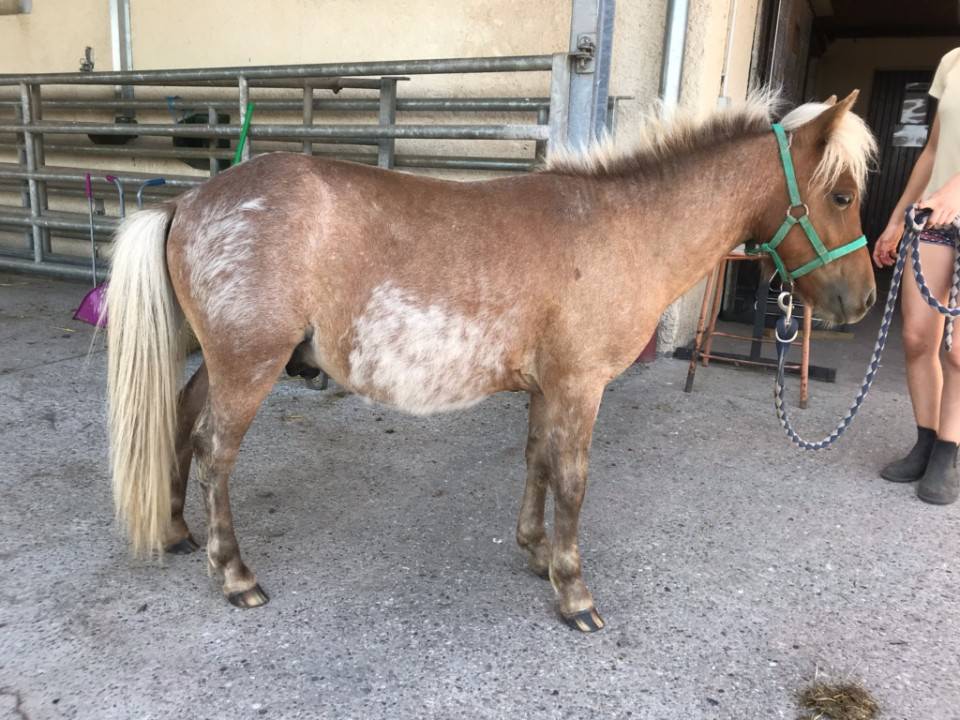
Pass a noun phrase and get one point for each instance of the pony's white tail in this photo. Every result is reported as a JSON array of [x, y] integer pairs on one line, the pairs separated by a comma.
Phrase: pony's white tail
[[144, 368]]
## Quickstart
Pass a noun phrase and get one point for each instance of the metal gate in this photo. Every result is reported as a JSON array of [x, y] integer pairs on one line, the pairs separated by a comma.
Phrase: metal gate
[[38, 119]]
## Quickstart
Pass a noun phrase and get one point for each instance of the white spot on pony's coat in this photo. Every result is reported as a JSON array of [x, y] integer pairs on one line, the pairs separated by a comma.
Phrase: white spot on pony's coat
[[220, 253], [424, 359], [255, 204]]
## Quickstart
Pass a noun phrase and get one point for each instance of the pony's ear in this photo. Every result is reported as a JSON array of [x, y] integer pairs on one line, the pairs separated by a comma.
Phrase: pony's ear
[[832, 100], [824, 124]]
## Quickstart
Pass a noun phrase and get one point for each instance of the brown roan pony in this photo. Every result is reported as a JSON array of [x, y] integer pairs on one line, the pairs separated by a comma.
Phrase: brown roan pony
[[430, 295]]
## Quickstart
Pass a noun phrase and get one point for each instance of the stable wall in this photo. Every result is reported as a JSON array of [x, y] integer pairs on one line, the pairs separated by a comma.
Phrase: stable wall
[[849, 64]]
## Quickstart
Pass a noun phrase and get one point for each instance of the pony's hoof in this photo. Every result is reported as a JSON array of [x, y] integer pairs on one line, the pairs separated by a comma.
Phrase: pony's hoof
[[254, 597], [586, 621], [184, 547]]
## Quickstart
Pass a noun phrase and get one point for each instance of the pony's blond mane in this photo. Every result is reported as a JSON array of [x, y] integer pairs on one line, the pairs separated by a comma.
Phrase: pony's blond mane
[[665, 138], [851, 146]]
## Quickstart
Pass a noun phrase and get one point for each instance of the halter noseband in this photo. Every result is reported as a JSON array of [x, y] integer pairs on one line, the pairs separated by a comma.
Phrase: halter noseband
[[824, 256]]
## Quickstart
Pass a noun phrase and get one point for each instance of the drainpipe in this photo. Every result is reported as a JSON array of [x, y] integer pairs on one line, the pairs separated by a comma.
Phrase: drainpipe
[[122, 45], [671, 75], [15, 7], [724, 99], [674, 42]]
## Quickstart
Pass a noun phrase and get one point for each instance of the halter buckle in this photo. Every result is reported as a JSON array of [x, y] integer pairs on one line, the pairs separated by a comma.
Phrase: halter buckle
[[803, 206]]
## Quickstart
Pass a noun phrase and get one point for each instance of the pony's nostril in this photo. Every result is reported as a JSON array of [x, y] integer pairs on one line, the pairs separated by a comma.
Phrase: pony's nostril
[[871, 298]]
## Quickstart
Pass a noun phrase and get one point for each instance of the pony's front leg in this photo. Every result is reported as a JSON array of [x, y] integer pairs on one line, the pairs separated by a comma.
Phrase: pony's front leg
[[571, 416], [231, 406], [531, 535]]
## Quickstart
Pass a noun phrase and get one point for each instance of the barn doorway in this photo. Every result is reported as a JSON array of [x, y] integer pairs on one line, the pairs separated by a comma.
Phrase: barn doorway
[[889, 50]]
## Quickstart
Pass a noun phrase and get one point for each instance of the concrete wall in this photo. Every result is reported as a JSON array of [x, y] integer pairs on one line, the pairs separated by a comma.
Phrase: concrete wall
[[848, 63], [53, 35]]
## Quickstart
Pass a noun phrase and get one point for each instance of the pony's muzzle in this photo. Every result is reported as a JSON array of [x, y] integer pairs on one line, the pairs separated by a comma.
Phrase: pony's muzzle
[[843, 304]]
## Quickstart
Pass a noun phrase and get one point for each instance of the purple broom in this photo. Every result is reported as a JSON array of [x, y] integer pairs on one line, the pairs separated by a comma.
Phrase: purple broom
[[92, 308]]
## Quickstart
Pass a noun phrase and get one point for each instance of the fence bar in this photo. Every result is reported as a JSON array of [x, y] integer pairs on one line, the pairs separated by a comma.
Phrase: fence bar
[[244, 99], [528, 104], [52, 269], [213, 119], [41, 159], [23, 185], [26, 102], [75, 175], [61, 222], [543, 118], [387, 115], [307, 114], [439, 66], [364, 131]]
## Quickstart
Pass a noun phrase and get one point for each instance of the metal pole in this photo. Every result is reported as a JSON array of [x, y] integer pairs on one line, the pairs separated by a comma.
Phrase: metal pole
[[60, 270], [674, 42], [307, 115], [22, 163], [244, 99], [728, 52], [213, 119], [443, 66], [388, 118], [368, 132], [122, 46], [559, 101], [540, 151], [26, 110], [493, 104], [591, 41], [41, 159]]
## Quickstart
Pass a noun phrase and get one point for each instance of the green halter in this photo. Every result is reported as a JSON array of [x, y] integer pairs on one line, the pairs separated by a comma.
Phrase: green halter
[[803, 220]]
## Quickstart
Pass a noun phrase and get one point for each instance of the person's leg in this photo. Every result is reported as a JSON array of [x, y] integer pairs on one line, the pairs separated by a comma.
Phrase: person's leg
[[922, 334], [940, 483]]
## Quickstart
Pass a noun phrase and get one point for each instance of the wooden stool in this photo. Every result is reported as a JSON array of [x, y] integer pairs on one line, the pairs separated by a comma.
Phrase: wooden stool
[[707, 330]]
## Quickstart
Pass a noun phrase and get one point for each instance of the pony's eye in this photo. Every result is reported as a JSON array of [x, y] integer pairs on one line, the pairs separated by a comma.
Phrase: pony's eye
[[842, 200]]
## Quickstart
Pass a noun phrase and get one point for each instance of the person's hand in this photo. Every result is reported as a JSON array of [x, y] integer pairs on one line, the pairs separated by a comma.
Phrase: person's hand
[[885, 250], [945, 203]]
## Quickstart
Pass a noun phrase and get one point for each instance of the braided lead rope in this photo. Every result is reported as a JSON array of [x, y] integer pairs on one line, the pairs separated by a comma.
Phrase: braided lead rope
[[954, 292], [910, 242], [868, 379]]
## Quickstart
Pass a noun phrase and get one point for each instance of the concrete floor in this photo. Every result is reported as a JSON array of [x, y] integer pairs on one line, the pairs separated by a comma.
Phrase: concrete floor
[[731, 568]]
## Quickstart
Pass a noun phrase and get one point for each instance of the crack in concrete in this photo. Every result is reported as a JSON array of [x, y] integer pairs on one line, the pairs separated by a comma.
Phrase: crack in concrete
[[11, 371], [18, 702]]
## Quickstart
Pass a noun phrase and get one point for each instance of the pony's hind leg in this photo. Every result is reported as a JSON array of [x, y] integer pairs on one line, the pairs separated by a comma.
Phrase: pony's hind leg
[[192, 398], [531, 535], [569, 416], [236, 391]]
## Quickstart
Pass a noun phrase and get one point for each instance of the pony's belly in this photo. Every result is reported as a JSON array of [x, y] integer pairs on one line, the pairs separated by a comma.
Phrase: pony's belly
[[425, 358]]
